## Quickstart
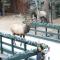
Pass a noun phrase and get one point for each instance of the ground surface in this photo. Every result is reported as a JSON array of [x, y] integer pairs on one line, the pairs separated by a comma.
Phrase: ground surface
[[7, 21]]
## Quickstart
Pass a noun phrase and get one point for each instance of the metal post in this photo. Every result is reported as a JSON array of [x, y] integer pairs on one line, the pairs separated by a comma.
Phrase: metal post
[[1, 44], [35, 29], [12, 46], [25, 50], [46, 31], [24, 46], [58, 33]]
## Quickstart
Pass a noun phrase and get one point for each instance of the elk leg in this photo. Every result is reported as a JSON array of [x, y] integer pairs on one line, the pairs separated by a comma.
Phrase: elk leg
[[20, 42], [23, 36]]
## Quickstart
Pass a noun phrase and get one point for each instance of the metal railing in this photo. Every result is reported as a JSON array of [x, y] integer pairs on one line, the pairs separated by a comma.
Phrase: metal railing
[[55, 28], [19, 56], [19, 39]]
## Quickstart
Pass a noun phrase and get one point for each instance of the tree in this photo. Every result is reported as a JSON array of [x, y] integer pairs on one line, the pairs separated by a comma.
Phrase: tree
[[45, 7]]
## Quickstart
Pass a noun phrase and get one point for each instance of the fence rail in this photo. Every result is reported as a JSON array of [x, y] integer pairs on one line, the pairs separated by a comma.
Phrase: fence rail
[[23, 55], [26, 53], [47, 26]]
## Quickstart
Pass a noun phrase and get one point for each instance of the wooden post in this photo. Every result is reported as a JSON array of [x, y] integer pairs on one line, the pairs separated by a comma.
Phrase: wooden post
[[24, 46], [1, 44]]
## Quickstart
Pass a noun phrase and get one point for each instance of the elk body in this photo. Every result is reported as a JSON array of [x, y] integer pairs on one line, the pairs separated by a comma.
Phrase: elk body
[[20, 29], [42, 15]]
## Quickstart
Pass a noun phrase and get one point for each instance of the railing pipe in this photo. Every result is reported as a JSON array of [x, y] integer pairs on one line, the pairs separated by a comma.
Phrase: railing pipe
[[46, 31], [1, 44], [58, 33], [12, 47], [23, 55]]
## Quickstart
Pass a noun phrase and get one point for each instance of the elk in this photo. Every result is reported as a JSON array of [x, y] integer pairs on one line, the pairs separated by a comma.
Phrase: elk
[[20, 29], [41, 15]]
